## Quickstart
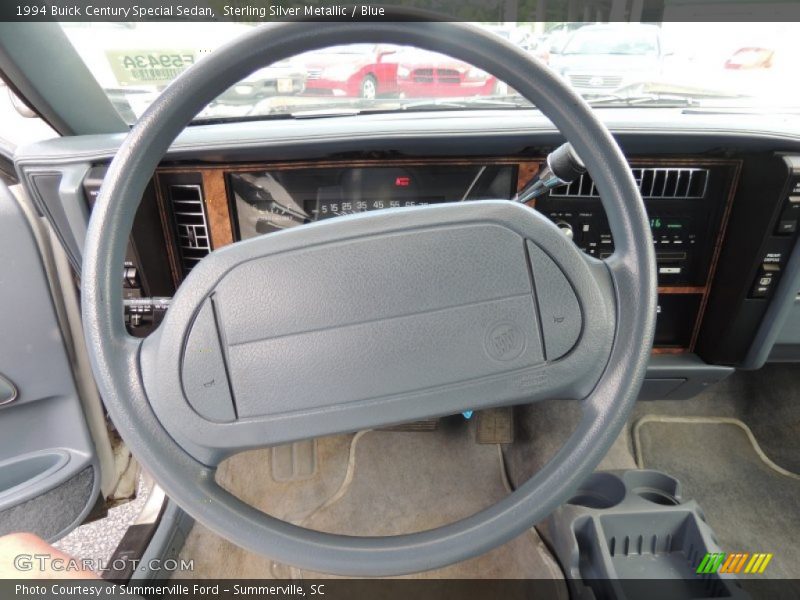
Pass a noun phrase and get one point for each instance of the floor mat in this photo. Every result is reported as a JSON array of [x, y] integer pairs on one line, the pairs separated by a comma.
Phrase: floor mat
[[542, 428], [767, 400], [378, 483], [775, 415], [248, 476], [752, 504]]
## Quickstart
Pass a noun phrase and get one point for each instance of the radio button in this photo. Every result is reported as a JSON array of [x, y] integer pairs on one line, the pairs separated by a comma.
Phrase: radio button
[[566, 229], [787, 223], [765, 280]]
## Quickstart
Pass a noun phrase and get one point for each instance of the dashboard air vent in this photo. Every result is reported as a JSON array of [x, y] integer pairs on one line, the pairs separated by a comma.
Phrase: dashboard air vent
[[191, 225], [654, 182]]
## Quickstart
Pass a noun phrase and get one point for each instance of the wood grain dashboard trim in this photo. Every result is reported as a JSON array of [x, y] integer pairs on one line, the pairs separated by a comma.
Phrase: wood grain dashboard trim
[[221, 227], [718, 243], [218, 212], [735, 165], [168, 230]]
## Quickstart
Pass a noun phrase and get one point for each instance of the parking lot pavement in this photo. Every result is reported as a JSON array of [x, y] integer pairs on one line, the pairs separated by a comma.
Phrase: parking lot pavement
[[98, 540]]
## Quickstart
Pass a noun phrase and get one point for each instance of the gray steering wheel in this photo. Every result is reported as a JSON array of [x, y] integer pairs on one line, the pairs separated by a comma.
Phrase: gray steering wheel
[[372, 319]]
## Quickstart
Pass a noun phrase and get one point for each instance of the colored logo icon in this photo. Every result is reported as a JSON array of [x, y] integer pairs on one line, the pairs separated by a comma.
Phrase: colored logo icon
[[734, 562]]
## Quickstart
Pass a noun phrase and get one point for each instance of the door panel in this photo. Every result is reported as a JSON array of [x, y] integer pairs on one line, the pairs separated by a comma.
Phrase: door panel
[[49, 478]]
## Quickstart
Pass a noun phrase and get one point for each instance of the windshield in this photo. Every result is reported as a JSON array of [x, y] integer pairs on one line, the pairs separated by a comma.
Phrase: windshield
[[705, 65]]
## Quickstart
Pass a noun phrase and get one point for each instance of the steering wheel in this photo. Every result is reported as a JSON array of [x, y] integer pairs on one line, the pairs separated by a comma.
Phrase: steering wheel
[[372, 319]]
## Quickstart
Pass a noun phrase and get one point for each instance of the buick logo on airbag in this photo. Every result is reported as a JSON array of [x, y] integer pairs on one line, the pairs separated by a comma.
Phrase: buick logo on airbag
[[505, 341]]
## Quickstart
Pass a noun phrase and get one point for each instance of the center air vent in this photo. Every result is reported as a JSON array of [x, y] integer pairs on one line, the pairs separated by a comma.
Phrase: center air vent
[[654, 182], [191, 225]]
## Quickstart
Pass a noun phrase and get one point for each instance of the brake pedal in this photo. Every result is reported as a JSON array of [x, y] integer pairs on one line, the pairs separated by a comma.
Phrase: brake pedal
[[495, 426], [431, 424], [294, 462]]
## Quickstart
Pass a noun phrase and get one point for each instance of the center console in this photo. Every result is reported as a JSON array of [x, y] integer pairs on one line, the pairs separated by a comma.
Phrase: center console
[[625, 529]]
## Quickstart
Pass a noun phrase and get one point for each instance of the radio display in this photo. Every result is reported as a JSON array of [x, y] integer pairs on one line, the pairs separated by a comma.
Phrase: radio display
[[667, 224], [271, 200]]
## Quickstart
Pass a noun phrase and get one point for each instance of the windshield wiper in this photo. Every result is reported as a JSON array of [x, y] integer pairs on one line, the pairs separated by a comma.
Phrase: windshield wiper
[[743, 110], [666, 100], [321, 113], [473, 102], [666, 95], [420, 105]]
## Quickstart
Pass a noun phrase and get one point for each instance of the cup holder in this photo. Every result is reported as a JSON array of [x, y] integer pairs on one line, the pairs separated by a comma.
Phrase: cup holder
[[656, 496], [600, 490], [624, 531], [654, 487]]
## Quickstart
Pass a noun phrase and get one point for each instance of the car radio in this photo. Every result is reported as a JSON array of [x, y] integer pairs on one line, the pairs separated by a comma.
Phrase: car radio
[[685, 206], [675, 238]]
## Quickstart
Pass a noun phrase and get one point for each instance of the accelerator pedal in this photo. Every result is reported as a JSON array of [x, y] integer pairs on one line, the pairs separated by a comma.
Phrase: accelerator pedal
[[495, 426]]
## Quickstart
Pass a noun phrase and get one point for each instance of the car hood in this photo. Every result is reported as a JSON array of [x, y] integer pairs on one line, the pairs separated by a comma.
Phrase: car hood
[[322, 60], [423, 59], [602, 63], [282, 69]]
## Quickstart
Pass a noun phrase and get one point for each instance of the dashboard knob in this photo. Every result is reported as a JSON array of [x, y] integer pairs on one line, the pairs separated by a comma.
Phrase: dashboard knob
[[566, 229]]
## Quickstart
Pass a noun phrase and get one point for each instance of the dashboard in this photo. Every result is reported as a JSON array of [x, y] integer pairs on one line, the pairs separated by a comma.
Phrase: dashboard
[[724, 207], [688, 201]]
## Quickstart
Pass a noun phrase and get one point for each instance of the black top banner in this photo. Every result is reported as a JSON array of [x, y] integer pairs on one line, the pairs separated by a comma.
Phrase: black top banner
[[658, 11]]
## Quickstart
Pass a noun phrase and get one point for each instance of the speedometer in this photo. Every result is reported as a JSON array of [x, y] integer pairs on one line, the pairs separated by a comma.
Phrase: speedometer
[[274, 199], [365, 189]]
